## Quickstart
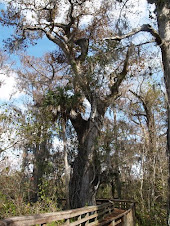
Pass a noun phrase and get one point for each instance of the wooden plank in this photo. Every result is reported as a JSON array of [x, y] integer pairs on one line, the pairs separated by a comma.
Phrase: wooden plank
[[49, 217], [104, 211], [87, 218], [115, 219], [110, 221], [94, 223], [116, 200], [83, 220]]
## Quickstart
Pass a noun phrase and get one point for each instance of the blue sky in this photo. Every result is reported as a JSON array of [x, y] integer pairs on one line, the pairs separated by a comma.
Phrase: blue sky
[[43, 45]]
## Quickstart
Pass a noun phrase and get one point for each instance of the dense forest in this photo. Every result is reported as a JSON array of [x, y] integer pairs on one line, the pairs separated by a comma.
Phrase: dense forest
[[93, 117]]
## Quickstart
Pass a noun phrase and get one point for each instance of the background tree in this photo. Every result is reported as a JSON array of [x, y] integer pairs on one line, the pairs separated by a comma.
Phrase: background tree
[[39, 76], [162, 9], [142, 169]]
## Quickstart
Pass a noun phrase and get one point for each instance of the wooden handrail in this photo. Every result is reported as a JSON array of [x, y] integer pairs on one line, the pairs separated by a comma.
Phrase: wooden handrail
[[91, 215], [115, 200]]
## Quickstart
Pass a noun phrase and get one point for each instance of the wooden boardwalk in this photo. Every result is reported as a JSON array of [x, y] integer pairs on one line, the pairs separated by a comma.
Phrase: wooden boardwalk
[[108, 219], [109, 212]]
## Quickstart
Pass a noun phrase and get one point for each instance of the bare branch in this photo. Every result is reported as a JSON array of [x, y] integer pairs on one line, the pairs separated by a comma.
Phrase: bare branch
[[114, 88], [145, 28], [70, 13], [145, 105], [139, 114], [139, 97], [120, 14], [54, 39]]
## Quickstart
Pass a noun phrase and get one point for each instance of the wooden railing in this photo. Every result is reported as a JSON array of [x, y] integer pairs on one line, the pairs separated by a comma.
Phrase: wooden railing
[[102, 214]]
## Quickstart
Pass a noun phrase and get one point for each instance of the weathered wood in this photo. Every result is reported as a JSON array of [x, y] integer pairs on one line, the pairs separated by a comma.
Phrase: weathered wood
[[50, 217], [91, 215], [129, 219], [85, 219], [115, 200]]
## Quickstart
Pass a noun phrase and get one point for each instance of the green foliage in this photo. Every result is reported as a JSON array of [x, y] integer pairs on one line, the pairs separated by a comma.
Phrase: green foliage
[[7, 207], [155, 217], [63, 98], [14, 197], [104, 192], [47, 196]]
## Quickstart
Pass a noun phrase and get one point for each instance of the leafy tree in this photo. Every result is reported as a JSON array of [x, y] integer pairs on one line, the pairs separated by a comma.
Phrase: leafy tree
[[141, 162], [39, 80], [5, 117], [38, 125], [87, 59]]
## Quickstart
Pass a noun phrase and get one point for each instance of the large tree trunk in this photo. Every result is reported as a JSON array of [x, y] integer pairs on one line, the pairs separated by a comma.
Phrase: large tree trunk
[[163, 17], [84, 181]]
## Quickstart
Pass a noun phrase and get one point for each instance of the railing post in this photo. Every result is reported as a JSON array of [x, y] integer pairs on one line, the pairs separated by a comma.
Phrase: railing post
[[125, 205], [133, 213], [67, 221], [87, 222], [124, 220], [104, 211], [113, 223], [79, 217], [95, 219]]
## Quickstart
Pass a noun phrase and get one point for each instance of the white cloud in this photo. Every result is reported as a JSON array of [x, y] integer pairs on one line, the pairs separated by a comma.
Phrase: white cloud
[[8, 88]]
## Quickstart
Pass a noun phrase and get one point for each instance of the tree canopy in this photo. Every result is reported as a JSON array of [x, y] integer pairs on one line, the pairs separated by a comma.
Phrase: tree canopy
[[93, 71]]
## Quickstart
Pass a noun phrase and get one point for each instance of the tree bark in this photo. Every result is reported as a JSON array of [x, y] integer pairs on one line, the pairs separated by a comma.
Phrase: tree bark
[[163, 18], [85, 179]]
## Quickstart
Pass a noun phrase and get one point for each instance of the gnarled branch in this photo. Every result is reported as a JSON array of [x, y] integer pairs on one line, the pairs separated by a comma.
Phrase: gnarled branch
[[114, 88], [84, 44], [54, 39], [145, 28]]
